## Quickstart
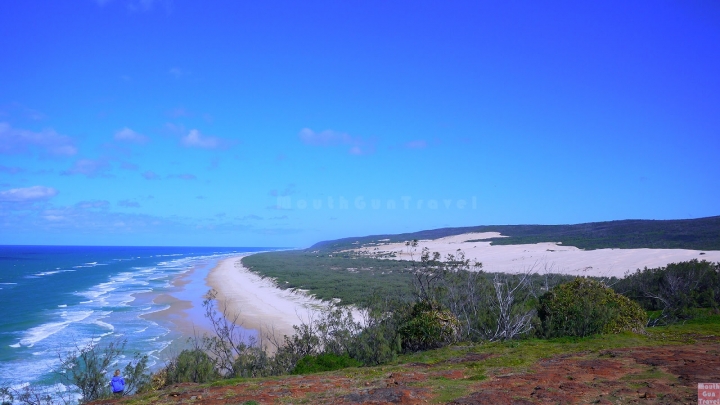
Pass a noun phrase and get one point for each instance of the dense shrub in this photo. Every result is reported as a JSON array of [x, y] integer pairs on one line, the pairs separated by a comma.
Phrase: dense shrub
[[324, 362], [428, 327], [191, 366], [676, 290], [585, 307]]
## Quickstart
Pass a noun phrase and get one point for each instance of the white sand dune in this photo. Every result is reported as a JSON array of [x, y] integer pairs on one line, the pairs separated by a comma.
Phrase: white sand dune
[[260, 305], [544, 257]]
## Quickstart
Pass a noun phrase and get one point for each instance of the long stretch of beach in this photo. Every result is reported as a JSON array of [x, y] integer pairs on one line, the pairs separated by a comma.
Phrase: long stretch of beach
[[257, 302]]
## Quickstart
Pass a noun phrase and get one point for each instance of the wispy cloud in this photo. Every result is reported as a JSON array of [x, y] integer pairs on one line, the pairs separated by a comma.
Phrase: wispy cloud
[[59, 219], [179, 112], [128, 204], [177, 73], [15, 141], [288, 190], [90, 204], [250, 217], [139, 5], [28, 194], [357, 145], [89, 168], [416, 144], [150, 175], [194, 139], [184, 176], [128, 135], [129, 166], [21, 111], [11, 170]]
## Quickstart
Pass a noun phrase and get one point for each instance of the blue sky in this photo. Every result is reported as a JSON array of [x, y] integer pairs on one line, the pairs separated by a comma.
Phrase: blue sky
[[277, 123]]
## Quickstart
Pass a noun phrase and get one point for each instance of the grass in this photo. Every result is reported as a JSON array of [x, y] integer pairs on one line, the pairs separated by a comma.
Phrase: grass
[[652, 373], [498, 358]]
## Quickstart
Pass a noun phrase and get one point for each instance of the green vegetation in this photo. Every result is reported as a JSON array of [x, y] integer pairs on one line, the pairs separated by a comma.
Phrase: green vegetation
[[491, 359], [586, 307], [352, 279], [412, 307], [699, 234], [355, 280], [191, 366], [428, 327], [324, 362], [674, 292], [87, 368]]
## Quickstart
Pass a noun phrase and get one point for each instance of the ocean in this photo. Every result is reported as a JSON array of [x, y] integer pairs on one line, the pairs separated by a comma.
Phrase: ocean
[[56, 298]]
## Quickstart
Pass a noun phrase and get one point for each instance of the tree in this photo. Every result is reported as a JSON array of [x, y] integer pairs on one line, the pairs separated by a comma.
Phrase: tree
[[88, 368]]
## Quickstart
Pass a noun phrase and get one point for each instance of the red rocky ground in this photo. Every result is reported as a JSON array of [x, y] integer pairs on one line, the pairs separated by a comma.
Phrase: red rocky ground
[[653, 375]]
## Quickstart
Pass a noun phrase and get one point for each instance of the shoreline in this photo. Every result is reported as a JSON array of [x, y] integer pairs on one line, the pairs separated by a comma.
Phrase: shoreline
[[179, 312], [256, 303]]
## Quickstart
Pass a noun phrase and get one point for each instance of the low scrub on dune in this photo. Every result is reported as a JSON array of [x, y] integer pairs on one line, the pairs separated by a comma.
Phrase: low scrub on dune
[[586, 307]]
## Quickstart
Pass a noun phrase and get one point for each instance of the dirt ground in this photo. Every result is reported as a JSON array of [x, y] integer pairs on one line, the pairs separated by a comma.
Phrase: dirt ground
[[652, 375]]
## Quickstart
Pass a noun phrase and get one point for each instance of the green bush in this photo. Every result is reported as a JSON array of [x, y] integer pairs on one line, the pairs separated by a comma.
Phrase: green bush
[[585, 307], [191, 366], [677, 290], [324, 362], [428, 327]]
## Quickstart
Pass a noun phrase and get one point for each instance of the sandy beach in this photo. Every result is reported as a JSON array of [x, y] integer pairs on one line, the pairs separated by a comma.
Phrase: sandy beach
[[184, 304], [257, 302], [261, 306], [543, 257]]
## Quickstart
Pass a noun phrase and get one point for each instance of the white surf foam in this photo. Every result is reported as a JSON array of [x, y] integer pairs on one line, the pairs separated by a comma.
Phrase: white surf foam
[[42, 332]]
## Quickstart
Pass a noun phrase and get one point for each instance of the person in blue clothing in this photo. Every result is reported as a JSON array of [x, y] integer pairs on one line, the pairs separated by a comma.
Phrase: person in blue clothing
[[117, 384]]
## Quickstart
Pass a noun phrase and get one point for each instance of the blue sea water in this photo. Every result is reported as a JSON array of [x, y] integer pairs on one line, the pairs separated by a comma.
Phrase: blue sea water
[[56, 298]]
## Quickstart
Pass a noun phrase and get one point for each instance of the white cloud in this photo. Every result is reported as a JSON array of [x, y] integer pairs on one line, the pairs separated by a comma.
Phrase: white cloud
[[184, 176], [15, 140], [128, 135], [358, 145], [88, 167], [128, 204], [150, 175], [180, 112], [324, 138], [129, 166], [11, 169], [101, 204], [289, 190], [27, 194], [177, 73], [194, 139]]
